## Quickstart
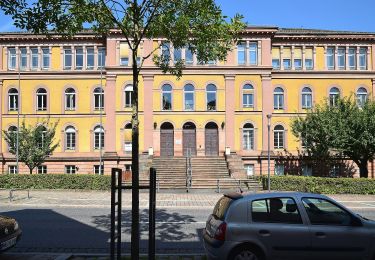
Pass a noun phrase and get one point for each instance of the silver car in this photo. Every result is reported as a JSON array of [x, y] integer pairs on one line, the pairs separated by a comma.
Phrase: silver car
[[287, 225]]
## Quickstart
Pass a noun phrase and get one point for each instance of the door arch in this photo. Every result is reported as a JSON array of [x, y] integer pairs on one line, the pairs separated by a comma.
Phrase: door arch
[[189, 140], [211, 139], [166, 139]]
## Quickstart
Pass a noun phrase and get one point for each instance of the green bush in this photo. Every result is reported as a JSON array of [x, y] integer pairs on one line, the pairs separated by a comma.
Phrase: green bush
[[55, 181], [321, 184]]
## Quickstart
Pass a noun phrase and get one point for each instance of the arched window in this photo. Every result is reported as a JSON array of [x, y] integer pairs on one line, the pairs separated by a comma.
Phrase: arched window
[[361, 96], [248, 137], [211, 97], [98, 98], [128, 95], [42, 131], [167, 97], [306, 98], [41, 99], [189, 97], [334, 95], [12, 131], [13, 99], [98, 138], [70, 99], [248, 95], [70, 138], [128, 138], [279, 138], [278, 98]]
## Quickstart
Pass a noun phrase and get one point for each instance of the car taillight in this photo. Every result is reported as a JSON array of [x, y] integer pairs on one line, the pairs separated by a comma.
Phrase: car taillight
[[220, 232]]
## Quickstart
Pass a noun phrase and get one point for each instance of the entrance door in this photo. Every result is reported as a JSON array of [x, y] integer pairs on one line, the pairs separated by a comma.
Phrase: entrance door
[[211, 139], [166, 140], [189, 139]]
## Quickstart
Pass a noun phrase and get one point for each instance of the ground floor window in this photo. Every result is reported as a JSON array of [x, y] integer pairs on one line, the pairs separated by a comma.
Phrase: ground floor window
[[70, 169], [249, 169], [306, 170], [279, 169], [128, 147], [128, 167], [334, 171], [12, 169], [99, 169], [42, 169]]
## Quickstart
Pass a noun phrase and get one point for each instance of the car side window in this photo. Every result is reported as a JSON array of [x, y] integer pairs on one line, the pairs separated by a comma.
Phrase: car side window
[[275, 210], [323, 212]]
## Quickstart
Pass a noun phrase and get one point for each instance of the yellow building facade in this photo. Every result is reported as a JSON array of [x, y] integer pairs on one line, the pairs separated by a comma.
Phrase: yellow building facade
[[216, 109]]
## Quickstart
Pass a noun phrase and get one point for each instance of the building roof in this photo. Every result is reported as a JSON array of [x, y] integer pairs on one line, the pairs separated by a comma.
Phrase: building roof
[[303, 31]]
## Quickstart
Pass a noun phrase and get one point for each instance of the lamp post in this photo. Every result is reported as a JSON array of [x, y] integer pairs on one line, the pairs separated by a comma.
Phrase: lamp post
[[269, 151]]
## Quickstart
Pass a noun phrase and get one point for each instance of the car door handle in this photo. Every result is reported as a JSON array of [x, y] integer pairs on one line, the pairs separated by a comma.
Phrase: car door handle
[[264, 232], [320, 234]]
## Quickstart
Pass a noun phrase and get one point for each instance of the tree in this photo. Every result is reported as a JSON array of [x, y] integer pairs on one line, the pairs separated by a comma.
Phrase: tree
[[346, 129], [195, 24], [35, 143]]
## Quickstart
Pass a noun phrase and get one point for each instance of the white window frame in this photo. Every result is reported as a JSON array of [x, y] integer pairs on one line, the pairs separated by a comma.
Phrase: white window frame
[[279, 137], [12, 58], [166, 92], [278, 98], [68, 52], [101, 57], [330, 58], [128, 95], [306, 98], [352, 58], [248, 137], [99, 169], [70, 97], [341, 61], [98, 99], [211, 92], [279, 169], [70, 169], [186, 107], [98, 138], [250, 170], [12, 169], [333, 96], [44, 102], [361, 96], [253, 49], [79, 57], [241, 53], [23, 59], [34, 52], [70, 138], [13, 100], [90, 52], [248, 96], [363, 58], [46, 56], [42, 169]]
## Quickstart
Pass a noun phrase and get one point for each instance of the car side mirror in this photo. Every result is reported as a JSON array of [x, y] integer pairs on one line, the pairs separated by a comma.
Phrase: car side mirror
[[356, 222]]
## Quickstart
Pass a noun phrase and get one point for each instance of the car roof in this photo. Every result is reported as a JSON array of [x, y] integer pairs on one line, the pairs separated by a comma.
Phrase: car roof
[[265, 195]]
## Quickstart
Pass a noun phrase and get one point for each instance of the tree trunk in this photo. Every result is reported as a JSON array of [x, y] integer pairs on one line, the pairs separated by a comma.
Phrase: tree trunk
[[31, 170], [363, 171]]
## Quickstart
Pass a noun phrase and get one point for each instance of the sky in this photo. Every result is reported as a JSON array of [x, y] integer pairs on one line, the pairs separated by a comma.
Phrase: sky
[[339, 15]]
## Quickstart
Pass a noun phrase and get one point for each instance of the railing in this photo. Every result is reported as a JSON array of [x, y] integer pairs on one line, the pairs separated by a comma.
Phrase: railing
[[189, 170], [11, 192], [239, 183]]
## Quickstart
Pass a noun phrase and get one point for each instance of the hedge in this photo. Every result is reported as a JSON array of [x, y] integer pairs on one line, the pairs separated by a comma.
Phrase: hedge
[[321, 184], [55, 181]]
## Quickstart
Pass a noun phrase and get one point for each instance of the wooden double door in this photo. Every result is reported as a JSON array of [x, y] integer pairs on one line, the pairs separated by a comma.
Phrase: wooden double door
[[211, 140]]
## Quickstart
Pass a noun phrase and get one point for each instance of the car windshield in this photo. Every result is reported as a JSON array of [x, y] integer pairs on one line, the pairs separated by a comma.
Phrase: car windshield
[[221, 207]]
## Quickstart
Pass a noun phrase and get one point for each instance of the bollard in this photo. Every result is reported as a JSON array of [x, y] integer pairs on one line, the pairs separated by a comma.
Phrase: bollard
[[218, 185]]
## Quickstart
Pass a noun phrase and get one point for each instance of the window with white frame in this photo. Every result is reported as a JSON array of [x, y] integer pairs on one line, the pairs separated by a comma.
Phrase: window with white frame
[[90, 58], [249, 169], [43, 132], [23, 52], [278, 140], [99, 169], [12, 131], [241, 53], [248, 137], [128, 94], [188, 56], [68, 58], [128, 138], [70, 99], [253, 53], [361, 96], [363, 58], [309, 59], [330, 55], [189, 97], [166, 52], [276, 57], [42, 169], [13, 99], [101, 57], [335, 170], [334, 95], [41, 99], [98, 98], [166, 97], [12, 58], [341, 58], [177, 55], [98, 138], [46, 58], [278, 98], [34, 58], [79, 58], [211, 97], [297, 58], [306, 98], [352, 58], [306, 170], [70, 169], [70, 138], [287, 55], [12, 169], [279, 169], [248, 96]]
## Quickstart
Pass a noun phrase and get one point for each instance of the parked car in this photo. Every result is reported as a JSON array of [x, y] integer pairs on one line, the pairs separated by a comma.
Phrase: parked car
[[10, 233], [272, 226]]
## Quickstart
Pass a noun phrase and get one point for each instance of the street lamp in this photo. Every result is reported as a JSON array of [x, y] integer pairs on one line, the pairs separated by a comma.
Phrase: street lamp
[[269, 155]]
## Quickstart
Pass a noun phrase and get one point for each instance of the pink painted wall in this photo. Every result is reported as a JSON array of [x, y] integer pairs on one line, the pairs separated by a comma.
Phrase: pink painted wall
[[266, 52], [148, 81], [110, 111], [147, 49], [229, 110], [231, 57], [111, 52], [267, 101], [1, 58]]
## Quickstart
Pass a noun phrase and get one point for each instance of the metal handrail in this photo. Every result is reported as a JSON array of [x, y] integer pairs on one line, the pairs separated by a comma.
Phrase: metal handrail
[[189, 170], [13, 190]]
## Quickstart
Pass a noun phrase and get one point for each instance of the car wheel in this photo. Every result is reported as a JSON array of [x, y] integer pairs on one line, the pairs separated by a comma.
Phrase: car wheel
[[244, 254]]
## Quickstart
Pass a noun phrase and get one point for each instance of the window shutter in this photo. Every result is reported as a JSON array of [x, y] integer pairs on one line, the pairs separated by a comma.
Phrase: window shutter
[[297, 53], [275, 53]]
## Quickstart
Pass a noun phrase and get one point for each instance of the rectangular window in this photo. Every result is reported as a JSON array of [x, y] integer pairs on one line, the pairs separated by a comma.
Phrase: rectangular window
[[34, 58], [70, 169], [42, 169], [13, 100], [363, 58], [67, 58], [45, 58], [128, 146], [12, 58], [334, 171], [253, 53], [124, 54], [188, 56], [23, 52], [306, 170], [99, 169], [101, 57], [276, 58], [90, 58], [189, 100], [12, 169], [352, 58], [279, 169], [248, 100], [79, 58], [177, 55], [309, 61], [248, 139], [275, 210], [249, 169], [166, 52], [287, 55], [330, 58], [98, 141], [241, 53], [70, 141], [297, 58], [306, 100], [341, 58]]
